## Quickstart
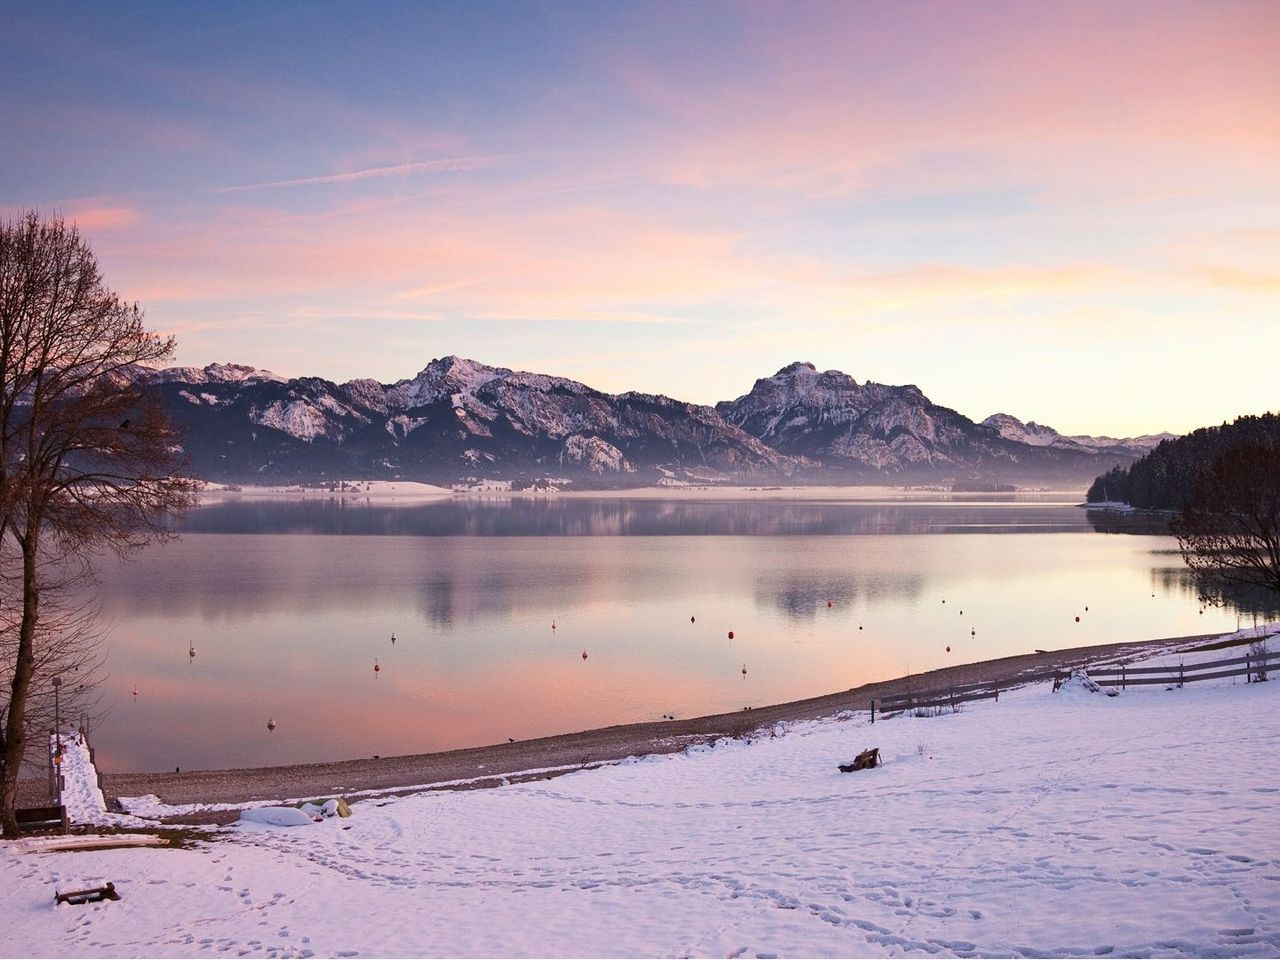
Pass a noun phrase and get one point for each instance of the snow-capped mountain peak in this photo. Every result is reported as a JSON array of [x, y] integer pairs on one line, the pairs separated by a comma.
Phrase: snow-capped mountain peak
[[215, 373], [1039, 435]]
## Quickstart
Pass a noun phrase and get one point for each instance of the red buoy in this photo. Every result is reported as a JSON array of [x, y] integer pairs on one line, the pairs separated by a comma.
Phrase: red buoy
[[828, 604], [730, 634]]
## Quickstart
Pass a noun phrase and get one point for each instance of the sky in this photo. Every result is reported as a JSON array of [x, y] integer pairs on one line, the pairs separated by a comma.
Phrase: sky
[[1069, 212]]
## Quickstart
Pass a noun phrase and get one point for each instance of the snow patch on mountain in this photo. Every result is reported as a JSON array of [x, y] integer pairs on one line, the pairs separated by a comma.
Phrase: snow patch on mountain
[[594, 454]]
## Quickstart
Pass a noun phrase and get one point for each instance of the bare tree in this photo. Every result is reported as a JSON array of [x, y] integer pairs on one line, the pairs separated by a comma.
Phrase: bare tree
[[87, 456], [1229, 531]]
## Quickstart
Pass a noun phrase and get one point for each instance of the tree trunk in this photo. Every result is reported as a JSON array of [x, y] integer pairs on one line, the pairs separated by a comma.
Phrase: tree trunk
[[15, 739]]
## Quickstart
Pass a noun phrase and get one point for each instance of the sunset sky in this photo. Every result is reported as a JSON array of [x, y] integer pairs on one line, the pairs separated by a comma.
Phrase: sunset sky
[[1068, 212]]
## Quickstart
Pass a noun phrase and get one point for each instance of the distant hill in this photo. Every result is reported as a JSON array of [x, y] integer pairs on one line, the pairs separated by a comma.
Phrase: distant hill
[[1166, 476], [1038, 435]]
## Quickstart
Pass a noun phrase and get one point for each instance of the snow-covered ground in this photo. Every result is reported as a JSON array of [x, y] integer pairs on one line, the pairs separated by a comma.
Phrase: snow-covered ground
[[1067, 824]]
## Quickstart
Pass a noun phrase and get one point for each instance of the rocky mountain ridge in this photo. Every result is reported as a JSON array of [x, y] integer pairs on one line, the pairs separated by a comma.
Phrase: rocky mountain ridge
[[1039, 435], [459, 417]]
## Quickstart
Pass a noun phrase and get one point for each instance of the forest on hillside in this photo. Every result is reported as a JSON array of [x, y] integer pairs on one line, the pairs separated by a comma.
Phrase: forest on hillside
[[1165, 478]]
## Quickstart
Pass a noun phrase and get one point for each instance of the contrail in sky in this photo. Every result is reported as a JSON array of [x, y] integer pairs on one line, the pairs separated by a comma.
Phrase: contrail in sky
[[370, 173]]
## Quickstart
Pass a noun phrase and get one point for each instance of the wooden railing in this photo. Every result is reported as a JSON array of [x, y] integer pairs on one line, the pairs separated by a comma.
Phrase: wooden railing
[[1251, 666]]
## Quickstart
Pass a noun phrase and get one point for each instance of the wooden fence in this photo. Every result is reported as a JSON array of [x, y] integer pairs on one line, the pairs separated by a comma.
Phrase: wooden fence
[[1251, 666]]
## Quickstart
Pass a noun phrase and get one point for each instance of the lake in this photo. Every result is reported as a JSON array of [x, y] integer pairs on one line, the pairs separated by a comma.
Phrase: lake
[[289, 605]]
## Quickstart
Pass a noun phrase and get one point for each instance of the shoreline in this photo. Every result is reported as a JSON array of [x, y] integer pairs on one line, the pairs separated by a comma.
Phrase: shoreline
[[394, 492], [546, 757]]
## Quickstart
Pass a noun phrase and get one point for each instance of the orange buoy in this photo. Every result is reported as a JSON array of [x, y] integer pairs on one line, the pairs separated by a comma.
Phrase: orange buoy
[[730, 634]]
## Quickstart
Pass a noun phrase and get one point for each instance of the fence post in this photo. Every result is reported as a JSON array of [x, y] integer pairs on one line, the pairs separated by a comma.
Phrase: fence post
[[1248, 669], [1123, 684], [873, 709]]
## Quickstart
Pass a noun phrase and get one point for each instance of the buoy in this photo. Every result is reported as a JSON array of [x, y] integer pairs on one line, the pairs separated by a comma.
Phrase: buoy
[[744, 669], [859, 626], [553, 624], [948, 649], [376, 667], [191, 651], [271, 724], [393, 639], [1086, 609], [1077, 619], [692, 619], [962, 613], [135, 691], [730, 634], [973, 633], [584, 654], [828, 604]]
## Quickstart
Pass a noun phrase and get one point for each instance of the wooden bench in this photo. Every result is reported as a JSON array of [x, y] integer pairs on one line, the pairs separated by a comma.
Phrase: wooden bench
[[43, 818], [92, 895], [866, 760]]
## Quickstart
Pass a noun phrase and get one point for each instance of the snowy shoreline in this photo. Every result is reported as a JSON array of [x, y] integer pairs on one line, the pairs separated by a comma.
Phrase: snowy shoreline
[[1067, 824], [185, 795]]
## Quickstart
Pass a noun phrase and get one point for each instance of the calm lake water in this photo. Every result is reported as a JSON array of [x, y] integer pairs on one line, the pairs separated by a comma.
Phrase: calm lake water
[[290, 604]]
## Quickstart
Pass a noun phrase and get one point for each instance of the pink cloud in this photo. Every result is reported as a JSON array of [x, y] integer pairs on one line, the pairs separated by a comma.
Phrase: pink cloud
[[93, 219]]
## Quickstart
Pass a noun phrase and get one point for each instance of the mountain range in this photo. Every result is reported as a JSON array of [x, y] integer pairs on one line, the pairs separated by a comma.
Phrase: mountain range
[[459, 418]]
